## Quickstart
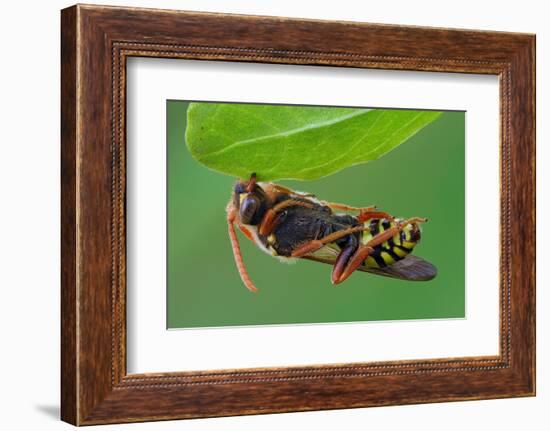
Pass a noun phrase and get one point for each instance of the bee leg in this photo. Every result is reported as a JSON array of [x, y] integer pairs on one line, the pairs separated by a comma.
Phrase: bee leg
[[344, 207], [274, 215], [353, 263], [316, 244], [268, 223], [237, 250], [365, 213], [363, 251], [369, 215], [348, 246], [282, 189], [307, 248]]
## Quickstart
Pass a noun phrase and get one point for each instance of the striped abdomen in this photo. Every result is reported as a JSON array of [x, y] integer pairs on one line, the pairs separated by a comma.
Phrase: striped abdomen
[[393, 250]]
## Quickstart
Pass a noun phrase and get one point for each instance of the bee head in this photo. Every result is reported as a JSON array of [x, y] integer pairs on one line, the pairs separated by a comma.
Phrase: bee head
[[250, 200]]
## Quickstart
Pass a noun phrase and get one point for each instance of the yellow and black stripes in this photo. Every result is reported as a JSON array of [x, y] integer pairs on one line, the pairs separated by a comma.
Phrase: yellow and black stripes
[[393, 250]]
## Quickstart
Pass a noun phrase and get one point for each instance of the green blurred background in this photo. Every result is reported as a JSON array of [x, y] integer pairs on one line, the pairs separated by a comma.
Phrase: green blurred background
[[423, 177]]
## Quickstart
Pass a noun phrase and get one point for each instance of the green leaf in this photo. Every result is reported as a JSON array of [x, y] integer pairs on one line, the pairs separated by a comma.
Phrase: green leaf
[[294, 142]]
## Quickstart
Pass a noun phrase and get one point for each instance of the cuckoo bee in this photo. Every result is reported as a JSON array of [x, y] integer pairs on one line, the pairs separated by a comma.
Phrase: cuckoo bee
[[290, 224]]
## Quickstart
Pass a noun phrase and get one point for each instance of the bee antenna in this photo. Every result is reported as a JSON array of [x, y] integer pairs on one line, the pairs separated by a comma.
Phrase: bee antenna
[[251, 183], [237, 251]]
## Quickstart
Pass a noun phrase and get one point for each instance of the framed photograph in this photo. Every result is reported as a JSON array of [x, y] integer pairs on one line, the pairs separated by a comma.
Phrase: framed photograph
[[266, 215]]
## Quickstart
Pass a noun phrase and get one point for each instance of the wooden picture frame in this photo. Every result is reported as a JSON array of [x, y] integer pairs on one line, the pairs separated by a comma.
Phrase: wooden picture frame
[[96, 41]]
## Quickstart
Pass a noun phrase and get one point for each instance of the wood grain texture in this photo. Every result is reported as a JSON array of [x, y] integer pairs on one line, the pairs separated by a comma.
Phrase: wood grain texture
[[96, 41], [69, 397]]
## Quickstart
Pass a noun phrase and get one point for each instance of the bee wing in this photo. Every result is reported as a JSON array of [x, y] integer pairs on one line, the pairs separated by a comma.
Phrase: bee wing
[[412, 268]]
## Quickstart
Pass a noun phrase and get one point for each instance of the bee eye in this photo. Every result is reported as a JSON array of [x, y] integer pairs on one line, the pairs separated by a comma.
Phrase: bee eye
[[249, 207]]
